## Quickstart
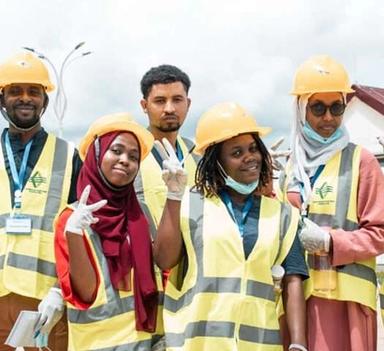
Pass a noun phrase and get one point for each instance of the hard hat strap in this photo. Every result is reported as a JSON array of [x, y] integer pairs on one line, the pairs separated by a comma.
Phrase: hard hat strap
[[6, 116]]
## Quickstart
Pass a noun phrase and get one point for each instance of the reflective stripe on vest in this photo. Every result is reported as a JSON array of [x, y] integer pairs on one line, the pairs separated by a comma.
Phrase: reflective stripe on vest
[[334, 205], [109, 324], [150, 188], [223, 296], [27, 262], [381, 299]]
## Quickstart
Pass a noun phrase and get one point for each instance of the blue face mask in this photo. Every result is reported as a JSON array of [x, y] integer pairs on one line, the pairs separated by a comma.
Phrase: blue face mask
[[241, 188], [311, 134], [42, 340]]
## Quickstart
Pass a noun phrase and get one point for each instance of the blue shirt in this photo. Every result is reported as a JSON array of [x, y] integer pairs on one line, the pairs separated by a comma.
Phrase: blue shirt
[[294, 263]]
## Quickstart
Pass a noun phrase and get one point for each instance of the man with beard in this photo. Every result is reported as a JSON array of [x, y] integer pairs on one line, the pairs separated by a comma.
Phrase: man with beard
[[38, 175], [166, 102]]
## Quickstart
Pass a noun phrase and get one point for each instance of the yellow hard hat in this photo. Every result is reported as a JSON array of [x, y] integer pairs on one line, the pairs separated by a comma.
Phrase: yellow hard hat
[[321, 74], [224, 121], [25, 68], [123, 122]]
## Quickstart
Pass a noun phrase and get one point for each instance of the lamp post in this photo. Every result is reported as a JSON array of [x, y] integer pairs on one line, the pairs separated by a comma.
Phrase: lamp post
[[60, 103]]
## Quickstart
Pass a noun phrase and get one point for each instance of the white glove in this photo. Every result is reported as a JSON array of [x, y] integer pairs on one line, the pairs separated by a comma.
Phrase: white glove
[[51, 309], [82, 216], [174, 175], [314, 238], [277, 154]]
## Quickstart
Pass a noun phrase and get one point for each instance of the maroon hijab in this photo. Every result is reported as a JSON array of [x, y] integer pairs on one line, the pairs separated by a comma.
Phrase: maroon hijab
[[124, 234]]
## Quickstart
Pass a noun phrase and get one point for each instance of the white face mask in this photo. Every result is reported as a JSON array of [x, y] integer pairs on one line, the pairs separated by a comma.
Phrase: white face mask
[[241, 188]]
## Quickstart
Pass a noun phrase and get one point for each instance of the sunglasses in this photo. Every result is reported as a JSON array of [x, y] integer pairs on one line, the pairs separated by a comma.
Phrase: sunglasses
[[319, 109]]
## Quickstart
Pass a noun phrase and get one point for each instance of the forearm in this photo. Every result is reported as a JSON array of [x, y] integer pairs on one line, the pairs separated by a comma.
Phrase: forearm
[[82, 273], [168, 243], [294, 305], [358, 245]]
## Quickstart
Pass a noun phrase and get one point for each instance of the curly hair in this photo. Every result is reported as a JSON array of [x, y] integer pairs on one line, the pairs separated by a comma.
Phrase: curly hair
[[209, 179], [163, 74]]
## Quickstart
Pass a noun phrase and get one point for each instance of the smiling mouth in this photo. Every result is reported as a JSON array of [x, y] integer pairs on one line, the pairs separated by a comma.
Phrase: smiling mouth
[[25, 108], [251, 168], [120, 170]]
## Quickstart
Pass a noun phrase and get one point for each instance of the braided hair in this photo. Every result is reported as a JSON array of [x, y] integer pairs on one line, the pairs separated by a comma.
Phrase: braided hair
[[209, 179]]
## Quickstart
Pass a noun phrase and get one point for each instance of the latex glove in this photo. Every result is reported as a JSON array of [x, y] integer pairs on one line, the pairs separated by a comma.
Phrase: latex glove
[[277, 154], [313, 237], [174, 175], [51, 308], [82, 216]]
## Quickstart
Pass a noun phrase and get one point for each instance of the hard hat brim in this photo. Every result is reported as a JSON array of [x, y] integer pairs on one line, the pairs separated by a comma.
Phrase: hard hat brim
[[144, 137], [261, 131]]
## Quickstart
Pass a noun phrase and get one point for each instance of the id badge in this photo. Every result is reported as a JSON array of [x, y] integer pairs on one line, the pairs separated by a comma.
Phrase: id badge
[[18, 225]]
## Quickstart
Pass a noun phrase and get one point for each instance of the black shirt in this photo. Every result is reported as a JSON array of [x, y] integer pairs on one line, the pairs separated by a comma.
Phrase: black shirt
[[38, 143]]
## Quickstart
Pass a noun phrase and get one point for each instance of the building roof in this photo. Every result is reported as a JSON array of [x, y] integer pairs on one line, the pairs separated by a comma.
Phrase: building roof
[[372, 96]]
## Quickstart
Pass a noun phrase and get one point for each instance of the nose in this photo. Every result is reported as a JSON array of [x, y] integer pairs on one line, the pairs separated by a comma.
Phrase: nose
[[249, 157], [169, 107], [124, 159], [328, 115], [24, 96]]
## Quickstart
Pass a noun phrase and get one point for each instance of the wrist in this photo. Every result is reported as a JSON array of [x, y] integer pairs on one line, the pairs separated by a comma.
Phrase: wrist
[[297, 347], [175, 196], [73, 230]]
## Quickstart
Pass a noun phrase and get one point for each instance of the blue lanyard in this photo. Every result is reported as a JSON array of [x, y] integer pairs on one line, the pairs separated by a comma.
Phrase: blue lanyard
[[312, 180], [179, 152], [244, 211], [18, 177]]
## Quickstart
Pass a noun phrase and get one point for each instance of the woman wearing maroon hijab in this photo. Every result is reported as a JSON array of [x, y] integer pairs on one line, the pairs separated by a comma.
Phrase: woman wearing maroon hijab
[[103, 246]]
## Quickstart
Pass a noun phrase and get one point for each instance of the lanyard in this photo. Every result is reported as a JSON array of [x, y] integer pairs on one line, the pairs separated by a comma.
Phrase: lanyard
[[244, 211], [312, 180], [18, 177]]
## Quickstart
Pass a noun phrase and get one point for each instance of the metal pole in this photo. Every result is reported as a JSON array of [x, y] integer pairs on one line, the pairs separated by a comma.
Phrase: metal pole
[[60, 103]]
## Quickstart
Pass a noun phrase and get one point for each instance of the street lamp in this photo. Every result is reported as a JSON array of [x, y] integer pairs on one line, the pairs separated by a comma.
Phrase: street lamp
[[60, 103]]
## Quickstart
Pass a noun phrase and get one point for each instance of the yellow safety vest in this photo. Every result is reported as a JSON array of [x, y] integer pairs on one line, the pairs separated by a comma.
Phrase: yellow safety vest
[[109, 323], [149, 185], [27, 262], [227, 302], [381, 297], [334, 205]]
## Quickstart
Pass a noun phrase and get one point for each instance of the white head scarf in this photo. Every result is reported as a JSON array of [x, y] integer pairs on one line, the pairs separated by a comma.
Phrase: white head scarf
[[309, 154]]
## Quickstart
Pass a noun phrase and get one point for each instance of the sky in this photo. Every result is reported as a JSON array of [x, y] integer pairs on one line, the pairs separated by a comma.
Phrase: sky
[[245, 51]]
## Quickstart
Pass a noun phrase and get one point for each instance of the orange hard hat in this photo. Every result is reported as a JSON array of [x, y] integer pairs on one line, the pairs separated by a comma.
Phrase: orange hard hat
[[25, 68], [123, 122], [224, 121], [321, 74]]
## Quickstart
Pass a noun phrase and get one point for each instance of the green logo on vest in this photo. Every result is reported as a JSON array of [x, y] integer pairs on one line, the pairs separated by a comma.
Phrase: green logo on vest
[[324, 190], [37, 179]]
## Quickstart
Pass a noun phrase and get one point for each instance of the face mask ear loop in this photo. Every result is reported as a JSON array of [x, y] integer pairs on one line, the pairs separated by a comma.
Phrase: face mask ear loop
[[222, 171]]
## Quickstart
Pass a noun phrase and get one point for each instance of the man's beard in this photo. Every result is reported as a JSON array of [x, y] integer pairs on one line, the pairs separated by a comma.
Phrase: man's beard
[[24, 124], [169, 127]]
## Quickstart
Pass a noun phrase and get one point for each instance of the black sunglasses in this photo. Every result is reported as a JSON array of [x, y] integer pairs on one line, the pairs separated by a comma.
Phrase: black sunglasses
[[319, 109]]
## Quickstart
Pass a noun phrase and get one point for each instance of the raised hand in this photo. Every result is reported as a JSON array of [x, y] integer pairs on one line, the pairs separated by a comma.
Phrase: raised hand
[[277, 154], [82, 216], [174, 175]]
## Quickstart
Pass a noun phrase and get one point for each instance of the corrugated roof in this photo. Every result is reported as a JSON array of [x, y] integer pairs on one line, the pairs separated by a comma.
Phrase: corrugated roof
[[372, 96]]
